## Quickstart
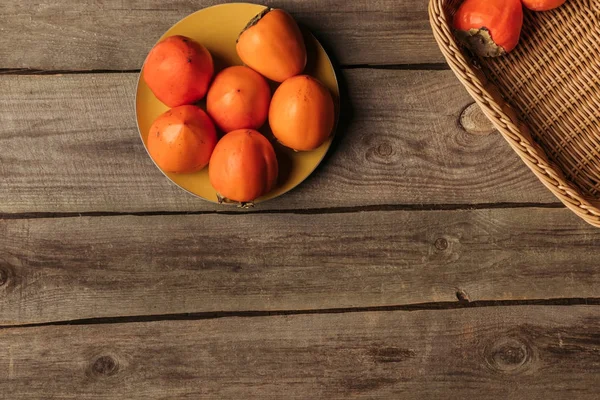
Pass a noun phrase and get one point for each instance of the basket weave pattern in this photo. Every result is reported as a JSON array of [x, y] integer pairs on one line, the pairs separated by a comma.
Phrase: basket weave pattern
[[544, 97]]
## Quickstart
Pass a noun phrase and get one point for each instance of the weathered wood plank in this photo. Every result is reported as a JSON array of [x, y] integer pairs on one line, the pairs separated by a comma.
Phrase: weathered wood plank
[[70, 144], [117, 34], [85, 267], [518, 353]]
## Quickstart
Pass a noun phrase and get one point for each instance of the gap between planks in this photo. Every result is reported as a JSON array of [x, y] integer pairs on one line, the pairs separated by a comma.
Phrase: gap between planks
[[306, 211], [400, 67], [462, 303]]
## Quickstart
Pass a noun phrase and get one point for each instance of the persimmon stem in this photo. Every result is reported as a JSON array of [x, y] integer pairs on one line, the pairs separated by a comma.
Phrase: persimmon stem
[[240, 204], [480, 42], [255, 21]]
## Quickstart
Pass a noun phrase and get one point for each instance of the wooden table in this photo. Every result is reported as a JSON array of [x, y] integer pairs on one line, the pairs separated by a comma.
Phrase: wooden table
[[421, 261]]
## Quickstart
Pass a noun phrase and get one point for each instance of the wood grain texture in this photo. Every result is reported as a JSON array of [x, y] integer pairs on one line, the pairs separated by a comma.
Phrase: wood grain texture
[[517, 353], [66, 150], [85, 267], [474, 121], [117, 34]]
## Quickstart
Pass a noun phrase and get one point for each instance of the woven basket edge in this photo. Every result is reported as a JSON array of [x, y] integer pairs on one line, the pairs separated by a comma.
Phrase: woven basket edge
[[512, 129]]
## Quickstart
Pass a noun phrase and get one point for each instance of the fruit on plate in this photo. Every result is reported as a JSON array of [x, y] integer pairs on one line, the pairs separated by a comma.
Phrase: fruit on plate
[[178, 71], [490, 28], [182, 140], [302, 113], [243, 166], [272, 44], [543, 5], [238, 99]]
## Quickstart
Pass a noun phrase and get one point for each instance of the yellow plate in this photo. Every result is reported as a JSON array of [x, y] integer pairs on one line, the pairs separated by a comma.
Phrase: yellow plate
[[217, 28]]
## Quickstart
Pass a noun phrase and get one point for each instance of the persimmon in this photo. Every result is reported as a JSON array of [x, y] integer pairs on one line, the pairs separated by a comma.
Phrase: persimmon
[[182, 140], [243, 166], [302, 113], [490, 28], [238, 99], [272, 44], [543, 5], [178, 71]]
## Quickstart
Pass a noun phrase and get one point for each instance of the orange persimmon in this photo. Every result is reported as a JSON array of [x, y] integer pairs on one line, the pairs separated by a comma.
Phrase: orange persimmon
[[543, 5], [238, 99], [178, 71], [182, 140], [243, 166], [490, 28], [272, 44], [302, 113]]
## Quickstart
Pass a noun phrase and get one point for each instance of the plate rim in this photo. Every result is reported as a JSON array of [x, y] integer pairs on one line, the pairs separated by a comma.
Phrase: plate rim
[[331, 138]]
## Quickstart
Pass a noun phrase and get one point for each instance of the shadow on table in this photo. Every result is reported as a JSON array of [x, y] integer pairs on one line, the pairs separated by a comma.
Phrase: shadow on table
[[345, 106]]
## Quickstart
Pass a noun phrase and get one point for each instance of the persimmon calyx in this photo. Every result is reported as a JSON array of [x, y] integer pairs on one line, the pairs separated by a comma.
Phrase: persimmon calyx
[[480, 42], [255, 20], [243, 204]]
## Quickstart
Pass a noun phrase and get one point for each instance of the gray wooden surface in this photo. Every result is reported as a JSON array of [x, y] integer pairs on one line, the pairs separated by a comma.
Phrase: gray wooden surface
[[400, 143], [497, 353], [421, 260], [87, 267], [117, 34]]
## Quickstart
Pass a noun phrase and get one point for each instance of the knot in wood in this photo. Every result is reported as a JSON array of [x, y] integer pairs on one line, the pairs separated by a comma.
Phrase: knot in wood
[[508, 355], [385, 149], [474, 121], [462, 296], [380, 152], [3, 277], [105, 366], [441, 244], [391, 354]]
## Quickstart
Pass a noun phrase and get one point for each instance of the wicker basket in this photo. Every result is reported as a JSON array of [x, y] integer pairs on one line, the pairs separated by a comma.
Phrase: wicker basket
[[544, 97]]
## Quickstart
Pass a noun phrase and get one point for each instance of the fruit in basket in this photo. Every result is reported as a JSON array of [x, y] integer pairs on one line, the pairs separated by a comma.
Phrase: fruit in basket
[[302, 113], [272, 44], [243, 166], [182, 140], [490, 28], [543, 5], [238, 99], [178, 71]]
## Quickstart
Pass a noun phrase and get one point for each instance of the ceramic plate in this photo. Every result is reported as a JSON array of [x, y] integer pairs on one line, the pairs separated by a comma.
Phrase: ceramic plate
[[217, 28]]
